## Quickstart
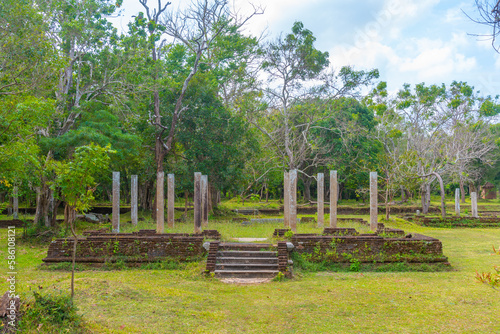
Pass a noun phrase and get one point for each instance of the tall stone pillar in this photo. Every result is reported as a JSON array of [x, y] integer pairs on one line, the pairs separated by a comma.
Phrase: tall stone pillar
[[321, 199], [293, 200], [116, 203], [204, 200], [373, 201], [197, 203], [133, 199], [170, 199], [286, 199], [457, 201], [473, 201], [160, 202], [15, 200], [334, 192]]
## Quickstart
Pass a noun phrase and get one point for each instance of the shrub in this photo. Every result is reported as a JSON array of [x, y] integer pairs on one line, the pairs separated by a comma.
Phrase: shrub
[[50, 313]]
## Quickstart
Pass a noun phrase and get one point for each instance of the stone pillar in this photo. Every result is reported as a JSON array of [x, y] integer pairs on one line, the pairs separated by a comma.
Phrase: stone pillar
[[286, 200], [133, 200], [334, 192], [457, 201], [204, 200], [321, 199], [15, 200], [160, 202], [170, 199], [293, 200], [373, 201], [473, 201], [197, 203], [116, 203]]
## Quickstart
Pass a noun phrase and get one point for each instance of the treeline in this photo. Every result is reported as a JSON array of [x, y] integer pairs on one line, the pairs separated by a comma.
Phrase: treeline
[[188, 91]]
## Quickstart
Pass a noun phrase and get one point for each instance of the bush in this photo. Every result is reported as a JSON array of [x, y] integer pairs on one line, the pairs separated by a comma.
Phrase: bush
[[50, 313]]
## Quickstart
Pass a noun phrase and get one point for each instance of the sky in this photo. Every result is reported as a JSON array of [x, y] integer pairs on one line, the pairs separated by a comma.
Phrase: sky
[[430, 41]]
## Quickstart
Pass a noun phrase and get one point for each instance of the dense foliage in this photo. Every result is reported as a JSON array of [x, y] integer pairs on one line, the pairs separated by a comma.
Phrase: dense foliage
[[204, 97]]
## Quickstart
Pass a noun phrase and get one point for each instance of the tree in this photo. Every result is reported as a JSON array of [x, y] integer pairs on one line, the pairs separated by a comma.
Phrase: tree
[[193, 30], [85, 41], [424, 122], [75, 181], [297, 104], [489, 12]]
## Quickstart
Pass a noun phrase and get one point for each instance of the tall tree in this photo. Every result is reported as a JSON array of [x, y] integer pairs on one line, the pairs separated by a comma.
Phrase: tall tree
[[192, 31], [85, 40]]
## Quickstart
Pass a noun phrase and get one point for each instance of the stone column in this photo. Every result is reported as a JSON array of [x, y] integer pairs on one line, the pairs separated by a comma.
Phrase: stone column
[[116, 203], [133, 200], [286, 199], [457, 201], [473, 201], [321, 199], [293, 200], [170, 199], [197, 203], [334, 191], [15, 200], [160, 202], [204, 200], [373, 201]]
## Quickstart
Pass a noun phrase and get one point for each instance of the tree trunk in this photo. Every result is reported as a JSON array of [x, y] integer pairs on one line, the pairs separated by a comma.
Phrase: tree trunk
[[214, 195], [462, 190], [186, 203], [307, 189], [54, 212], [426, 197], [441, 187], [43, 194], [69, 215]]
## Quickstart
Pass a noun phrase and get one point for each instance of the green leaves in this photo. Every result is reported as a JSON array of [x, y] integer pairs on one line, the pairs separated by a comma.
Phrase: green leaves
[[76, 177], [489, 108], [295, 56]]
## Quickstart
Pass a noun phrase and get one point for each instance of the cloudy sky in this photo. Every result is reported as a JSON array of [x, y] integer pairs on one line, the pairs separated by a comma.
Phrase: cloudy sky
[[408, 41]]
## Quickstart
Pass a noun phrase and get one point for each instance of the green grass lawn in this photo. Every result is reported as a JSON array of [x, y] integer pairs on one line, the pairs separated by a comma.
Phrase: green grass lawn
[[184, 301]]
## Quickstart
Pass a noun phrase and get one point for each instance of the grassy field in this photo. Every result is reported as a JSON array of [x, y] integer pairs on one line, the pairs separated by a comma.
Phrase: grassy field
[[184, 301]]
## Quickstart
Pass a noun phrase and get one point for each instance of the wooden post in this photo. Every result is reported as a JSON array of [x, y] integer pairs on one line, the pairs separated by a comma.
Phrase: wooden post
[[457, 201], [373, 201], [116, 202], [170, 199], [15, 200], [473, 201], [133, 200], [204, 200], [293, 200], [333, 198], [321, 199], [286, 200], [160, 202], [197, 203]]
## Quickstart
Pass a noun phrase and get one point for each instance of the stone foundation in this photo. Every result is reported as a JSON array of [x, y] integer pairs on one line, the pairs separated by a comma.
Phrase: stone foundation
[[343, 248], [457, 222], [138, 247]]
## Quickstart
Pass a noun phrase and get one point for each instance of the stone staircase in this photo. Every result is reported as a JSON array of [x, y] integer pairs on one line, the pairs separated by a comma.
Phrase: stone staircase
[[246, 260]]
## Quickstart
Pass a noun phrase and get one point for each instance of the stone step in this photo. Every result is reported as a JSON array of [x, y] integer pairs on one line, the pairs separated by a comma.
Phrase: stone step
[[246, 246], [246, 267], [246, 273], [253, 260], [232, 253]]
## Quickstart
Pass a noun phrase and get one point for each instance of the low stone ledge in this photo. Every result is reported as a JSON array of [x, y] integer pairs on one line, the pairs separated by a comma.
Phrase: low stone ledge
[[369, 248], [105, 247]]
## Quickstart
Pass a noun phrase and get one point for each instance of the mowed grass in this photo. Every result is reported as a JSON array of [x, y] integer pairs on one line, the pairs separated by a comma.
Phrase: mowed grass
[[184, 301]]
